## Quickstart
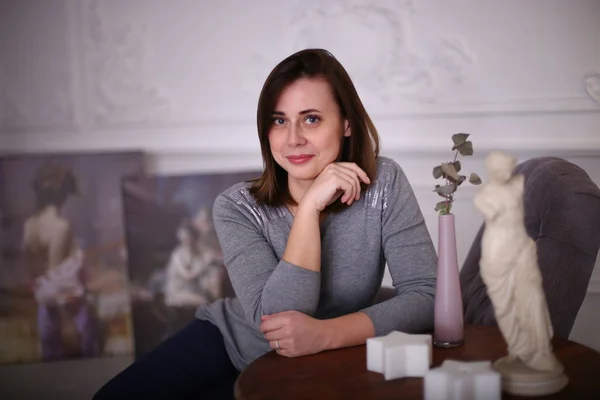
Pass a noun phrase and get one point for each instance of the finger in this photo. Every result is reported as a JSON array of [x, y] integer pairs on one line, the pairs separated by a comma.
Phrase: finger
[[351, 177], [352, 174], [284, 353], [356, 184], [340, 184], [282, 313], [271, 324], [276, 334], [273, 345], [345, 183], [279, 314], [359, 171]]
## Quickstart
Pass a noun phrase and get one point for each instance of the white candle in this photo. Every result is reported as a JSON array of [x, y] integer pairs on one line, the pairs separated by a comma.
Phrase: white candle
[[456, 380], [399, 355]]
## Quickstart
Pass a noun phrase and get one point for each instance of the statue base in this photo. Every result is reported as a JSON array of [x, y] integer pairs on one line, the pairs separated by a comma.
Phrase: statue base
[[520, 380]]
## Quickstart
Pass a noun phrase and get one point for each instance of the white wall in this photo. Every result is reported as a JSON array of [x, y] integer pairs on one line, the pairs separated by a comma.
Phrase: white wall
[[180, 79]]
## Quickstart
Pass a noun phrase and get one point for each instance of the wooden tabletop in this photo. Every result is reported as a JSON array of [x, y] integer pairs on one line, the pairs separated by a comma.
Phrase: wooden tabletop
[[342, 374]]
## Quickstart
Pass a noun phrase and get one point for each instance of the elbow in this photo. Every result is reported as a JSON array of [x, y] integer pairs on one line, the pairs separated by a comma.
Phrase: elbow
[[425, 287], [428, 295], [254, 313], [428, 321], [274, 300], [269, 308], [427, 324], [422, 320], [292, 296]]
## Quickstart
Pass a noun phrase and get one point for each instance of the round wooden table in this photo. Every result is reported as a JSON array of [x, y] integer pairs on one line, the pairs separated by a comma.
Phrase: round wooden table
[[342, 374]]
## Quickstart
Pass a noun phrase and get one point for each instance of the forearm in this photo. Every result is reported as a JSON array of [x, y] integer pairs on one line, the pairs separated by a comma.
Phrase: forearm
[[411, 312], [303, 247], [349, 330], [295, 283], [263, 283], [289, 287]]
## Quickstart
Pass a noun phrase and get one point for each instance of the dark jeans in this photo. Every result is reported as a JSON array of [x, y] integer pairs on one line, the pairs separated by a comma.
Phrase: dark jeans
[[192, 364]]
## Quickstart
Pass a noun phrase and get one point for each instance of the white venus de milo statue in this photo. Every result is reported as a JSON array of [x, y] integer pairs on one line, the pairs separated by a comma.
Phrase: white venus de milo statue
[[509, 269]]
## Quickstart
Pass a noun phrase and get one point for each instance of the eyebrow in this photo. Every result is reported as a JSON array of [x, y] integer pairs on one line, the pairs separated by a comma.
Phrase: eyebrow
[[310, 110]]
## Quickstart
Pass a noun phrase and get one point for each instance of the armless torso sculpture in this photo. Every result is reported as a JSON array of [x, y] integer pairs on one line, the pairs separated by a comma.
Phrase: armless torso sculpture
[[509, 269]]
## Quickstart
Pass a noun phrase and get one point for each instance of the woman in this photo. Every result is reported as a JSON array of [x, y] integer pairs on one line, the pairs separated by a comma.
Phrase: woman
[[56, 265], [193, 274], [305, 245]]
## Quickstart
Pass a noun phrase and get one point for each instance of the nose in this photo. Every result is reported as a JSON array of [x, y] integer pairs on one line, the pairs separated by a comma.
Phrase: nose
[[295, 136]]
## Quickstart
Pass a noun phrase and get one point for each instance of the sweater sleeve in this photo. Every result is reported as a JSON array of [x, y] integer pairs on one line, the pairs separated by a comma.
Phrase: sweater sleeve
[[411, 259], [263, 284]]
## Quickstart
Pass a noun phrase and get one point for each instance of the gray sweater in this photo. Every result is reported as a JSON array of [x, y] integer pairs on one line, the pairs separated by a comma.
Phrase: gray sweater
[[385, 225]]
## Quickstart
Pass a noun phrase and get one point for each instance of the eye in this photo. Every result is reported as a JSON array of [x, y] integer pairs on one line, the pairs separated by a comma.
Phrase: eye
[[312, 119], [278, 121]]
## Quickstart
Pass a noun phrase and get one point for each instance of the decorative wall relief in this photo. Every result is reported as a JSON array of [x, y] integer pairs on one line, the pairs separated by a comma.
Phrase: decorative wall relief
[[123, 91], [399, 65], [58, 111], [35, 72], [10, 113], [592, 86]]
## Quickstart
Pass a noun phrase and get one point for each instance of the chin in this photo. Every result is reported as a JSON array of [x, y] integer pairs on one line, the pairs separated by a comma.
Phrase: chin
[[308, 171], [302, 175]]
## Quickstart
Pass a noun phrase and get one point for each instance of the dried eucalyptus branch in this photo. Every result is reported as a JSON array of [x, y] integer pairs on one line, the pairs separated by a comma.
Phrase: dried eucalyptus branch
[[449, 171]]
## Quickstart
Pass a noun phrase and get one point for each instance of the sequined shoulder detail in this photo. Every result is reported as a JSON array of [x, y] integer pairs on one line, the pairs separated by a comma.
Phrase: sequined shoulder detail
[[377, 194], [262, 214]]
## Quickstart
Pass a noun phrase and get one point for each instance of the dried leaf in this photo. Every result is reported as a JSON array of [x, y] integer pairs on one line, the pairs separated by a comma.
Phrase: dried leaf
[[457, 166], [445, 190], [461, 179], [459, 138], [438, 172], [465, 149], [443, 207], [475, 179], [450, 170]]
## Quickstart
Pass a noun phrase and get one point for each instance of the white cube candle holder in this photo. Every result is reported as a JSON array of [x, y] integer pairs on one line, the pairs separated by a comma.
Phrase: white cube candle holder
[[456, 380], [399, 355]]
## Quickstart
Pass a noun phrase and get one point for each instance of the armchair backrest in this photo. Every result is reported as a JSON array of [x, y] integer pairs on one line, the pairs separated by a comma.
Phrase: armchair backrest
[[562, 214]]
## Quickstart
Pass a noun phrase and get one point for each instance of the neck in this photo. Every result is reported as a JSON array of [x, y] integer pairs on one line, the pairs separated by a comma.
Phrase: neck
[[50, 210], [298, 188]]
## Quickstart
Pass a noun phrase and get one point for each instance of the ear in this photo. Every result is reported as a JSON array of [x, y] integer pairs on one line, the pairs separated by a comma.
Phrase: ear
[[347, 130]]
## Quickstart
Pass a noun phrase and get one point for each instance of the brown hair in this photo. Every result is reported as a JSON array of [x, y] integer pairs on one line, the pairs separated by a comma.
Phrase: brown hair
[[361, 147], [52, 184]]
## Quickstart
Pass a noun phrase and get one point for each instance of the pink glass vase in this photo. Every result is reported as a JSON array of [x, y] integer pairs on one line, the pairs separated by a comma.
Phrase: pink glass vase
[[448, 312]]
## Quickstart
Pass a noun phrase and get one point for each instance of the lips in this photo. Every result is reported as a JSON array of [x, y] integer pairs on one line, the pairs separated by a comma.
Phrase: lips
[[300, 159]]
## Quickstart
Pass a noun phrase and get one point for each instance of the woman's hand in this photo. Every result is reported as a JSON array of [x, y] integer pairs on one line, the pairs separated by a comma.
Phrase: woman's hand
[[294, 334], [337, 179]]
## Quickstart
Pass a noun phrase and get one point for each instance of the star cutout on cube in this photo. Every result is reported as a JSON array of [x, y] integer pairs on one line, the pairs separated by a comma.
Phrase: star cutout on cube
[[456, 380], [399, 355]]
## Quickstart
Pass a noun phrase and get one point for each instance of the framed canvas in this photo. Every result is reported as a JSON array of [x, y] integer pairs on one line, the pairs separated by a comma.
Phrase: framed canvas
[[175, 261], [63, 267]]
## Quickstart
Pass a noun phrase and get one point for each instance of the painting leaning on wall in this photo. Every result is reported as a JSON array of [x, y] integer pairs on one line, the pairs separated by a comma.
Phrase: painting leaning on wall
[[63, 267], [175, 261]]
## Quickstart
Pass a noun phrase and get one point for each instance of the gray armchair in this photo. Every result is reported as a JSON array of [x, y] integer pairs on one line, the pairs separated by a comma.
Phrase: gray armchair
[[562, 214]]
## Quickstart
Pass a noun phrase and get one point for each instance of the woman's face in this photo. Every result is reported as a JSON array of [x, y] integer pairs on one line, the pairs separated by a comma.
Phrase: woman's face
[[307, 129]]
